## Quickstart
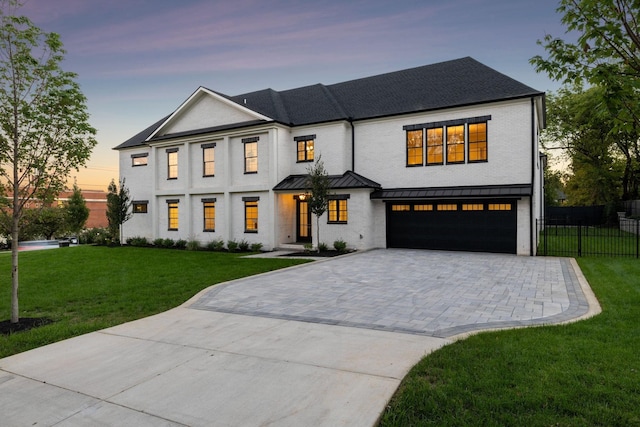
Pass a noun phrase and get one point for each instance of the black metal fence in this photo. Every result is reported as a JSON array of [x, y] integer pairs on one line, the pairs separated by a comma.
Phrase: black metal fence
[[559, 238]]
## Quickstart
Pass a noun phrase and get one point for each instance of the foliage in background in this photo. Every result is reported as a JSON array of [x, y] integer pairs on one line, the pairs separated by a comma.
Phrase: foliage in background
[[318, 187], [44, 128], [76, 210], [118, 208]]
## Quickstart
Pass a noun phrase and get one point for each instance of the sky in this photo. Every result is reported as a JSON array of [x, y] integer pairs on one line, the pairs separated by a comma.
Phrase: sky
[[138, 60]]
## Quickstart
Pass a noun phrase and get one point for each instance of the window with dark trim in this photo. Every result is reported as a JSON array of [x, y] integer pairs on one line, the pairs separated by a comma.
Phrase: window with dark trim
[[139, 159], [305, 147], [172, 214], [337, 209], [139, 206], [172, 163], [415, 148], [250, 155], [455, 144], [209, 214], [434, 146], [208, 159], [250, 214], [478, 142]]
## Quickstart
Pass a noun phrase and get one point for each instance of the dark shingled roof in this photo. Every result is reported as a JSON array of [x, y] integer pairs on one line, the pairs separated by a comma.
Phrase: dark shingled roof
[[346, 180], [515, 190], [447, 84]]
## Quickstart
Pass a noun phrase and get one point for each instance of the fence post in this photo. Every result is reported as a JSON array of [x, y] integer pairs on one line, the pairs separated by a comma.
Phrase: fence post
[[579, 238], [637, 238]]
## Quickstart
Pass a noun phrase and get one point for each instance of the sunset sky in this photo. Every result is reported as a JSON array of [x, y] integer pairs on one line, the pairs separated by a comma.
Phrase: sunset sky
[[138, 60]]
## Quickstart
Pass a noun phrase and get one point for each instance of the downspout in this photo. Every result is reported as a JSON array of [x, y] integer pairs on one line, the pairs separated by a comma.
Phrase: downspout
[[353, 145], [533, 176]]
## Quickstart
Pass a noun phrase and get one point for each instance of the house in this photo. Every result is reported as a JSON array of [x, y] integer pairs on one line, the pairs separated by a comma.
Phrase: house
[[443, 156]]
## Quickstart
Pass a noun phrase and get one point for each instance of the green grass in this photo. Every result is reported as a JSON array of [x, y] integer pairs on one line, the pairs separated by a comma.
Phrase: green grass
[[592, 241], [581, 374], [87, 288]]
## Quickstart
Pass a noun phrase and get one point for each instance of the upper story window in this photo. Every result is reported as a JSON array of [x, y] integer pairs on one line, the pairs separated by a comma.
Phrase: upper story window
[[455, 144], [250, 214], [250, 155], [478, 142], [139, 206], [172, 163], [209, 214], [447, 142], [414, 148], [337, 209], [208, 159], [139, 159], [305, 147], [434, 146], [172, 214]]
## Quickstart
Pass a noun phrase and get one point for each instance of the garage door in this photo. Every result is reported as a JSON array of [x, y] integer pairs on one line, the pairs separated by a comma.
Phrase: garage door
[[478, 225]]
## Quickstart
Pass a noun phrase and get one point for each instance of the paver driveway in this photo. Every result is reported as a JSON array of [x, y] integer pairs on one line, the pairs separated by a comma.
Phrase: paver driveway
[[432, 293]]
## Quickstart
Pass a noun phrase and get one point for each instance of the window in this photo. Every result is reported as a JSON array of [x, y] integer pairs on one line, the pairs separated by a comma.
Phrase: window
[[209, 214], [172, 214], [139, 206], [478, 142], [208, 159], [250, 214], [472, 207], [250, 155], [434, 146], [338, 209], [139, 159], [414, 148], [499, 206], [400, 208], [448, 207], [423, 207], [305, 145], [172, 163], [455, 144]]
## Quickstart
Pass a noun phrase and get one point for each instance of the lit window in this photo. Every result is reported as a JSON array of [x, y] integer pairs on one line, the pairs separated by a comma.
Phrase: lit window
[[423, 207], [434, 146], [139, 159], [208, 160], [172, 163], [400, 208], [251, 216], [338, 211], [172, 207], [447, 207], [500, 206], [455, 144], [414, 148], [139, 207], [251, 156], [209, 214], [478, 142], [472, 207], [305, 150]]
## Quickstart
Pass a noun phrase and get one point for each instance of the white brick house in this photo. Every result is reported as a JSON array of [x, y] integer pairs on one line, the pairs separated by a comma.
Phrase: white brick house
[[443, 156]]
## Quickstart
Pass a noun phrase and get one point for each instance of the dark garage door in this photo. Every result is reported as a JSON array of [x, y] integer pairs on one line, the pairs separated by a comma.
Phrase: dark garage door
[[478, 225]]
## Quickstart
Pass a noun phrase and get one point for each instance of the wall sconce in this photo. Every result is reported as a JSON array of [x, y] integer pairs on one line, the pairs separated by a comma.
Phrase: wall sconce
[[302, 197]]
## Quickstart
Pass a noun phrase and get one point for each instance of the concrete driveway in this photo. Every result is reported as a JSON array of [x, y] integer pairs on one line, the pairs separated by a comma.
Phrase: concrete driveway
[[323, 344]]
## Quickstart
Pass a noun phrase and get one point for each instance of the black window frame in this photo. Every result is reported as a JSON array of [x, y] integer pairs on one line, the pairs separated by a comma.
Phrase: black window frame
[[135, 157], [338, 198], [249, 203], [170, 152], [205, 202], [304, 142], [246, 142], [205, 147], [173, 204], [142, 204]]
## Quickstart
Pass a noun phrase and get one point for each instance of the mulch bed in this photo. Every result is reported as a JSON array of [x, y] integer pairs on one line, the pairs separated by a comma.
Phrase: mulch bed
[[316, 254], [24, 324]]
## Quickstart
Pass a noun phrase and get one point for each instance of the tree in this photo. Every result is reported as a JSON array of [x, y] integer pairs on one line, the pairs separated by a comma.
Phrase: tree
[[606, 53], [318, 189], [77, 211], [118, 204], [42, 222], [44, 129]]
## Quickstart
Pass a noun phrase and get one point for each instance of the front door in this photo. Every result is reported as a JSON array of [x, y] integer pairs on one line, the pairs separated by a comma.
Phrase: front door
[[303, 222]]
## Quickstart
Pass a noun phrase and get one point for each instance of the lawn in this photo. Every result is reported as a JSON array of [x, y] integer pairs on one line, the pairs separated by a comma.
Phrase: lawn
[[573, 241], [581, 374], [86, 288]]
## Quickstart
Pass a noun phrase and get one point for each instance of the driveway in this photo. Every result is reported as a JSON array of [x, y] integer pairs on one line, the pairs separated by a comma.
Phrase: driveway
[[325, 343]]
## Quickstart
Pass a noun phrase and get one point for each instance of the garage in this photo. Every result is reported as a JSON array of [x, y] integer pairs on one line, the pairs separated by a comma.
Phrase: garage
[[486, 225]]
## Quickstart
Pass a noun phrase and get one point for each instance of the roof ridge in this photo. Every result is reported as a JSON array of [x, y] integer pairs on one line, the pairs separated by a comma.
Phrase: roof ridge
[[341, 109], [281, 108]]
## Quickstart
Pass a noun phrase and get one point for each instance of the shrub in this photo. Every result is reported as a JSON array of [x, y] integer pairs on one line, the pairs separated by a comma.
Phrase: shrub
[[243, 245], [90, 235], [340, 245], [323, 247], [232, 245], [308, 247], [216, 245], [158, 243], [168, 243], [180, 244], [137, 241], [256, 247], [193, 245]]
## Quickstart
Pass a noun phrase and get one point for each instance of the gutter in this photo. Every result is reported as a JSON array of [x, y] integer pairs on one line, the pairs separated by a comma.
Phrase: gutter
[[353, 145], [533, 175]]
